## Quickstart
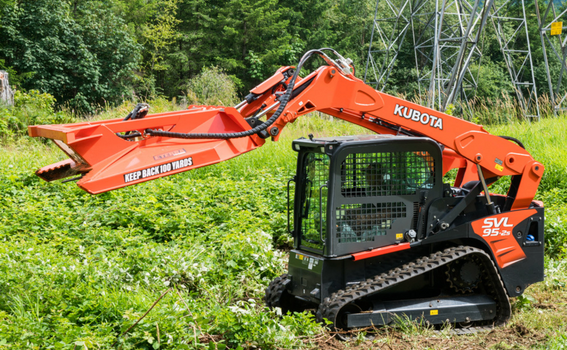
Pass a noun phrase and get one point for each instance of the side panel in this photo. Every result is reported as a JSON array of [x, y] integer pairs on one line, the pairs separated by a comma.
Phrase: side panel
[[305, 270], [516, 242], [313, 278], [496, 231]]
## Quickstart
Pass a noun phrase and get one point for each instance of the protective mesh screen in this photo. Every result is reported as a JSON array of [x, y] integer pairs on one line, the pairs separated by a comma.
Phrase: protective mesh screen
[[363, 222], [386, 173], [367, 175], [313, 213]]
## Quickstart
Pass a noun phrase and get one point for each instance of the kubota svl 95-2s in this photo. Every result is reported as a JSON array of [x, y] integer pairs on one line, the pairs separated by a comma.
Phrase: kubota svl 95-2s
[[377, 233]]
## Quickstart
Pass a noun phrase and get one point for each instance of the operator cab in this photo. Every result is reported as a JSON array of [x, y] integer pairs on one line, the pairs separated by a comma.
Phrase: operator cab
[[355, 193]]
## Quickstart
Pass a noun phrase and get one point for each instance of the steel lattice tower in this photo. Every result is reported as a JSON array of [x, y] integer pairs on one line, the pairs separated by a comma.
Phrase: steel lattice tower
[[388, 34], [515, 46], [446, 41], [556, 42]]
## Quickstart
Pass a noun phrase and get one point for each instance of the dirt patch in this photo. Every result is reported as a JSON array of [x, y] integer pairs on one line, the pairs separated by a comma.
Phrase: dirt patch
[[521, 330], [515, 336], [545, 306]]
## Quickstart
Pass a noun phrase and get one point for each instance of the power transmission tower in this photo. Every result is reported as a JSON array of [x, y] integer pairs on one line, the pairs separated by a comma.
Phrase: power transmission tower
[[550, 31], [446, 40], [390, 26], [514, 40], [446, 44]]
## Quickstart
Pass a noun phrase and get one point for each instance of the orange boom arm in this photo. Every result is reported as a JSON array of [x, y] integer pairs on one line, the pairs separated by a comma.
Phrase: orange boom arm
[[158, 145]]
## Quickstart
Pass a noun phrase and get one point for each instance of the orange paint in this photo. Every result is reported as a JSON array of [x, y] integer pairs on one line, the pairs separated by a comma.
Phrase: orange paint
[[381, 251], [498, 232]]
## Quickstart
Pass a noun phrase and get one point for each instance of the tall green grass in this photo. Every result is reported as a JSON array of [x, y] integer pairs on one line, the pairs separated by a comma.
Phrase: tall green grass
[[508, 110], [498, 111], [546, 142]]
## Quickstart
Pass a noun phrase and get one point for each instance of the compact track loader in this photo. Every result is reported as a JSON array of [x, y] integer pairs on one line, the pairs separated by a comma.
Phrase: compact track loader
[[377, 233]]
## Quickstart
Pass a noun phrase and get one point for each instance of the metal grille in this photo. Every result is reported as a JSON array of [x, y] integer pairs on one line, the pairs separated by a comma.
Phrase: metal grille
[[386, 173], [313, 213], [363, 222], [415, 214]]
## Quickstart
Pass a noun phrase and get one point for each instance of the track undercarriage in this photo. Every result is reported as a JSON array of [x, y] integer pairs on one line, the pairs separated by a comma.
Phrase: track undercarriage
[[468, 293]]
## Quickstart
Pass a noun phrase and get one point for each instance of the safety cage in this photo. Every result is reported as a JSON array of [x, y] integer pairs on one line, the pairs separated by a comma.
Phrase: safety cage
[[362, 192]]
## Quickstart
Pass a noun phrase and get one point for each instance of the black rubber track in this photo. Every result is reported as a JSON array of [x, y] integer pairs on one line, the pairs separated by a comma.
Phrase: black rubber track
[[331, 307], [275, 290]]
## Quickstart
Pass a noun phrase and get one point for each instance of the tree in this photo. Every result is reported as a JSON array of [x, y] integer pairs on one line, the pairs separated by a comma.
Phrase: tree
[[194, 47], [82, 61], [256, 27]]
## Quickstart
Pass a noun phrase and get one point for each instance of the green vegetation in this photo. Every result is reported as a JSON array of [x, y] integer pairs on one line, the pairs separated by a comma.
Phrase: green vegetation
[[32, 108], [545, 142], [93, 53], [82, 55], [90, 53], [77, 271]]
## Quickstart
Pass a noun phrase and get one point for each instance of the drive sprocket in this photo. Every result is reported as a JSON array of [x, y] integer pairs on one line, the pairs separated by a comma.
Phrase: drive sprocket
[[464, 275]]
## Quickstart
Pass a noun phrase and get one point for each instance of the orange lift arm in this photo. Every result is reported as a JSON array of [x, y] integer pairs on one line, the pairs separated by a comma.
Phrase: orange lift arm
[[111, 154]]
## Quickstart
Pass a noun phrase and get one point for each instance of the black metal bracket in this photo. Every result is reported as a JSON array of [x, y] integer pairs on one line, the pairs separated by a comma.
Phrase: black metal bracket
[[446, 221]]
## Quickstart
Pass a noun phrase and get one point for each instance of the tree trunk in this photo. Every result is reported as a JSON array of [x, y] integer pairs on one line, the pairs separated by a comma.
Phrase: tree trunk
[[6, 93]]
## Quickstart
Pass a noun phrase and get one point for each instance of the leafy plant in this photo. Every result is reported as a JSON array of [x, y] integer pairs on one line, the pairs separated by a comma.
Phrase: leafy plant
[[82, 60], [211, 87], [524, 301], [31, 108]]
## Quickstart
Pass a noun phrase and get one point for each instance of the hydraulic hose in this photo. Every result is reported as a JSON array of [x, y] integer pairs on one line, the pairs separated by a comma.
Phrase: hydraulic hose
[[284, 99], [510, 138], [138, 112]]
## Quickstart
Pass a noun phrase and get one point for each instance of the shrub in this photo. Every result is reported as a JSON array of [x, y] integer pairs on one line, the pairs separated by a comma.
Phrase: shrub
[[212, 87], [31, 108]]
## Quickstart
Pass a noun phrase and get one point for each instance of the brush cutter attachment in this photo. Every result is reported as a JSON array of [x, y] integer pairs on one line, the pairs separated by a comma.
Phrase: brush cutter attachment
[[111, 154]]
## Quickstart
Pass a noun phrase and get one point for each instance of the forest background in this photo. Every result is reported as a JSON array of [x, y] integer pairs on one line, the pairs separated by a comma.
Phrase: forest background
[[90, 54]]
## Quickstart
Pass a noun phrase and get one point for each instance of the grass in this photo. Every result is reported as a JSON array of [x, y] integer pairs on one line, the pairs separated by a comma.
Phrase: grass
[[78, 270], [507, 109]]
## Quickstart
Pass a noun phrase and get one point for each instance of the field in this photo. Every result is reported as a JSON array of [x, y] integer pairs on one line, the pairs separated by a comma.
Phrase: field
[[78, 271]]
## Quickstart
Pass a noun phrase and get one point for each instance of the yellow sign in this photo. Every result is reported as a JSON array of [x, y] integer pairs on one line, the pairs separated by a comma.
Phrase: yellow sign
[[399, 236], [499, 167], [556, 28], [434, 312]]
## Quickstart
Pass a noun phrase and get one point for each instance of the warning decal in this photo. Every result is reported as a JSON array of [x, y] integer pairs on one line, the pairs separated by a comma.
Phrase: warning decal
[[556, 28], [158, 169]]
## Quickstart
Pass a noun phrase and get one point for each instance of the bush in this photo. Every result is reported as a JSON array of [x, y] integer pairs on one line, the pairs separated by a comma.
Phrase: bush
[[212, 87], [556, 235], [84, 56], [31, 108]]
